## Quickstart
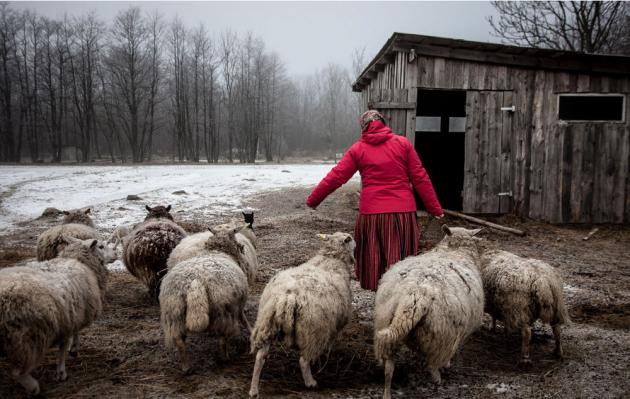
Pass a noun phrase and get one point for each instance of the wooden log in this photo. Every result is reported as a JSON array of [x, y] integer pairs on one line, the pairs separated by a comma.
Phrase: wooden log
[[484, 223]]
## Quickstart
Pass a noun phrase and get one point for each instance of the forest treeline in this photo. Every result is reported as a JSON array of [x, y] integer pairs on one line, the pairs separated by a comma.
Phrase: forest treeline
[[144, 88]]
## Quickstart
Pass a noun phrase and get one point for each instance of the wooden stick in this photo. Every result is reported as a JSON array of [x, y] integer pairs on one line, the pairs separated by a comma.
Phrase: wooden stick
[[589, 235], [484, 222]]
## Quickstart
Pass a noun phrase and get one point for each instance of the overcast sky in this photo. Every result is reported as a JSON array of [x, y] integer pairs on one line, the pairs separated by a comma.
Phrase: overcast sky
[[309, 35]]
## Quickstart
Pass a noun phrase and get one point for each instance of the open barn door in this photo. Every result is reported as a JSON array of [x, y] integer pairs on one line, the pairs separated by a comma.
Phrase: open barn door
[[488, 164], [395, 106]]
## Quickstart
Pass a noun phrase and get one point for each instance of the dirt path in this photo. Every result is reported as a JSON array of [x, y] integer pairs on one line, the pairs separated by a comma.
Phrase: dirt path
[[123, 354]]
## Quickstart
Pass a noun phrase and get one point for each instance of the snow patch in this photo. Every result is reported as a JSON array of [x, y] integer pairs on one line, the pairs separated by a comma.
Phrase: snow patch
[[212, 190]]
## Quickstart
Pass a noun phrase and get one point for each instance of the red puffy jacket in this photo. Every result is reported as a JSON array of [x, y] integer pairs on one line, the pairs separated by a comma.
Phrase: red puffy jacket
[[389, 165]]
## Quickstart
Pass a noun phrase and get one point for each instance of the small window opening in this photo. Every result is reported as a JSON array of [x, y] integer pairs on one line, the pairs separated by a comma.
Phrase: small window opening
[[591, 107]]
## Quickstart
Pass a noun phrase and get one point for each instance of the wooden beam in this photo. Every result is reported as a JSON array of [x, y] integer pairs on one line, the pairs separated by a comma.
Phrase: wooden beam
[[393, 105], [484, 223]]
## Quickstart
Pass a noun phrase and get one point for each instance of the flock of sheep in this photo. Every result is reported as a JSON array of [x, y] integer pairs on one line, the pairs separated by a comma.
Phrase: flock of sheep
[[431, 302]]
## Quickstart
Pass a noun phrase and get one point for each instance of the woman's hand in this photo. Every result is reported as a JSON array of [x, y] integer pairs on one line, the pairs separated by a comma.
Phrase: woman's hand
[[439, 216]]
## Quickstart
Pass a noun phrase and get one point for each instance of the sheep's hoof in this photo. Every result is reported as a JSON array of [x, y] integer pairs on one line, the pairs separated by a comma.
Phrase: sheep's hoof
[[186, 369], [525, 363], [311, 384], [253, 393], [61, 375], [33, 391], [74, 354]]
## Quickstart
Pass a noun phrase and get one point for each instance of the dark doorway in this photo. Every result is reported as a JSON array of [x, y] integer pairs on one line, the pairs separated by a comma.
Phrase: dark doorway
[[440, 130]]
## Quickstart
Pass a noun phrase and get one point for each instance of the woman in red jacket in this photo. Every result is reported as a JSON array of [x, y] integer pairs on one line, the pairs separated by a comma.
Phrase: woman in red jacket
[[386, 230]]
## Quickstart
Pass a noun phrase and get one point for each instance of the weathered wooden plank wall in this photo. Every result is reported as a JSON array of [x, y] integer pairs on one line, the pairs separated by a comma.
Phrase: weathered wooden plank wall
[[557, 171]]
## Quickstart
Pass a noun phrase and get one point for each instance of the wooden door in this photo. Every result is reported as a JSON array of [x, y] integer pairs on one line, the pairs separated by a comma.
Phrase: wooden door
[[488, 163], [395, 106]]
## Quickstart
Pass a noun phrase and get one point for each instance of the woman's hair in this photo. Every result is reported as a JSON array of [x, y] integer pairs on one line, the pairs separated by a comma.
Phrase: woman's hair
[[369, 116]]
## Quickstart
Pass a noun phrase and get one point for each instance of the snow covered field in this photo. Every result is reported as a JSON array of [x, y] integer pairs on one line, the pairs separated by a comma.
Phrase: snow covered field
[[25, 191]]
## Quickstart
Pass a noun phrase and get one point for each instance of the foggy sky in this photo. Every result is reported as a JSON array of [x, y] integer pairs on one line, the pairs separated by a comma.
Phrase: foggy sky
[[309, 35]]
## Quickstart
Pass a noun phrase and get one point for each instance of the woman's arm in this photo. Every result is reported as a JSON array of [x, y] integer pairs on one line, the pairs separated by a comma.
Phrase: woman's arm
[[340, 174], [422, 183]]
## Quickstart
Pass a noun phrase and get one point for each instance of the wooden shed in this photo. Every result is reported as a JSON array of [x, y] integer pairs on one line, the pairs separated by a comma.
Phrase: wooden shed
[[500, 129]]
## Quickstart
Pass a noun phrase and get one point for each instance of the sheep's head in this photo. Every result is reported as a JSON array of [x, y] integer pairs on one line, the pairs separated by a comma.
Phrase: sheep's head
[[80, 216], [461, 237], [224, 240], [339, 245], [244, 229], [93, 248], [158, 212]]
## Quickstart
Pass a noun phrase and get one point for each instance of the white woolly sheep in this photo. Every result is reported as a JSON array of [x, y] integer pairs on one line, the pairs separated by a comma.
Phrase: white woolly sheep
[[47, 303], [305, 307], [194, 245], [518, 292], [148, 246], [432, 302], [119, 234], [76, 223], [205, 293]]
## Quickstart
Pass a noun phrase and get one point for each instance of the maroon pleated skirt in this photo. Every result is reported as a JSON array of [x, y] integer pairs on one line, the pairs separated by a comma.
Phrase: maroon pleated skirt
[[383, 239]]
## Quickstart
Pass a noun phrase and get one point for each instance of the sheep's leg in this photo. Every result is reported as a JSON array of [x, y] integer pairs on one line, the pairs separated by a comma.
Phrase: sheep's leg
[[74, 349], [27, 381], [224, 348], [526, 336], [556, 335], [436, 377], [260, 361], [389, 373], [494, 324], [181, 347], [305, 366], [245, 322], [62, 355]]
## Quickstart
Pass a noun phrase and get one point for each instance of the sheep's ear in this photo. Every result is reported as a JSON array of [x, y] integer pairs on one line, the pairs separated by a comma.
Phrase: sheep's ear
[[168, 208], [148, 208], [87, 211], [348, 239], [213, 230], [65, 212], [446, 230], [93, 244], [323, 237], [477, 231]]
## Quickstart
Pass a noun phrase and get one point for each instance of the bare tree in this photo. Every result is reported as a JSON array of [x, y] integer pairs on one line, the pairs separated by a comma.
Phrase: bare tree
[[130, 67], [8, 27], [228, 43], [586, 26]]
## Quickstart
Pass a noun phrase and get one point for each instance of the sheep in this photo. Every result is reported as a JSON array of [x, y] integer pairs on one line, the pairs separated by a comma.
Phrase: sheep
[[119, 234], [194, 245], [148, 246], [47, 303], [519, 291], [432, 301], [76, 223], [206, 292], [306, 306]]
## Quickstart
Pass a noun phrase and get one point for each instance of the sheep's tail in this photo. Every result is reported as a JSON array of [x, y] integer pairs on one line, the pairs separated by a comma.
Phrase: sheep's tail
[[408, 313], [197, 307], [276, 318], [548, 295]]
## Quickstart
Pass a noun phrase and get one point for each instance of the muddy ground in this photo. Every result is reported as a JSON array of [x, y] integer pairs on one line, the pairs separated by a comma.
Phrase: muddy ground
[[122, 354]]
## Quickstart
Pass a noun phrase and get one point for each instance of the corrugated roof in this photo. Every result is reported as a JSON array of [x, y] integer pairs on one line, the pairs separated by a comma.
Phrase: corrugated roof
[[492, 53]]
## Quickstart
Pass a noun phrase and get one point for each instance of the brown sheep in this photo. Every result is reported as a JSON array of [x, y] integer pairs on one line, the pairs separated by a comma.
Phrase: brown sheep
[[148, 246]]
